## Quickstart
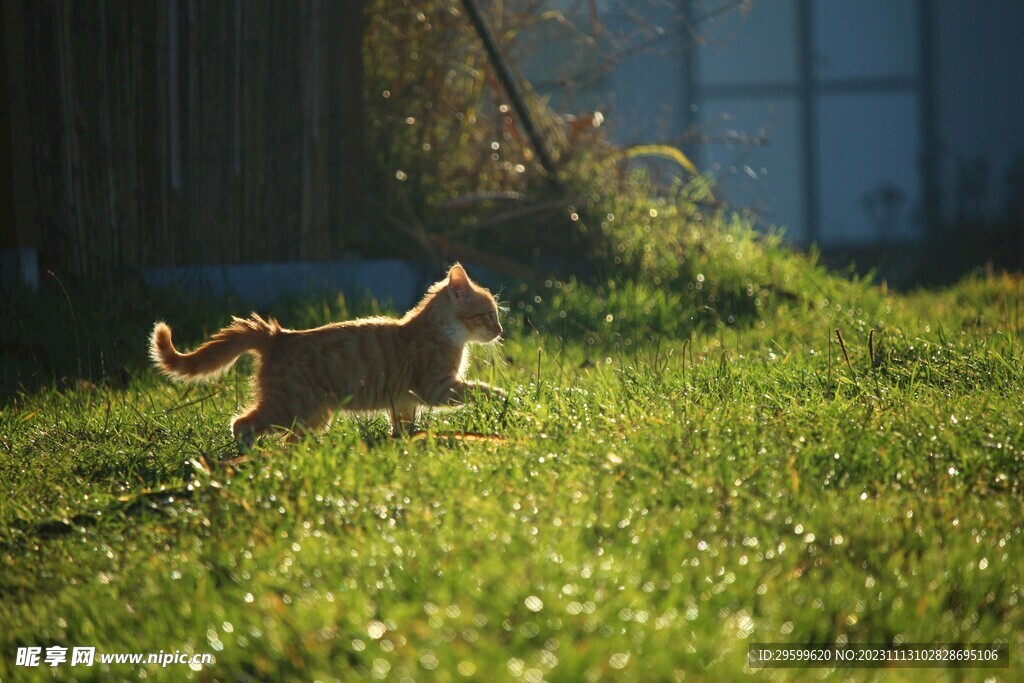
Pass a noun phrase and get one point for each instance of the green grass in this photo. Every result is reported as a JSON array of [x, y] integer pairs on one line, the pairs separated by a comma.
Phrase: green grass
[[668, 487]]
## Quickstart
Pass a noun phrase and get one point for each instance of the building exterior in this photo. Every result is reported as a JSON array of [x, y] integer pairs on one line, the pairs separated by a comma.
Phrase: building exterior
[[196, 133], [875, 123]]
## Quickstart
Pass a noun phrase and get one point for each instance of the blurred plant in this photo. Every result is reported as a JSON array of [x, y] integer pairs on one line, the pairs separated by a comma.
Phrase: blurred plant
[[460, 178], [440, 126]]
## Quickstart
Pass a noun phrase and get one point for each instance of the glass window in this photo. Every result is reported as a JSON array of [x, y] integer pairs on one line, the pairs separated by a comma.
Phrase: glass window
[[864, 39], [868, 181], [755, 149], [755, 45]]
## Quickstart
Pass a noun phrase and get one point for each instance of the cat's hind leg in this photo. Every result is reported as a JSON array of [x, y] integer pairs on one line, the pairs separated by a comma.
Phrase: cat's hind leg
[[403, 416], [248, 425], [256, 421], [313, 423], [262, 418]]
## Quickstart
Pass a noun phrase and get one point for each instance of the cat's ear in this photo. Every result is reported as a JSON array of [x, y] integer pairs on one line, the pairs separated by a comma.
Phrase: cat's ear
[[458, 283]]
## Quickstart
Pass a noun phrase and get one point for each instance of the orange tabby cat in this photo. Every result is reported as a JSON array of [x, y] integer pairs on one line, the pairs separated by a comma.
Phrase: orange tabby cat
[[374, 364]]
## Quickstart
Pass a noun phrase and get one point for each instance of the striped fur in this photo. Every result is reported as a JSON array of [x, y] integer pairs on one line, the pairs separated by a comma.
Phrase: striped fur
[[303, 377]]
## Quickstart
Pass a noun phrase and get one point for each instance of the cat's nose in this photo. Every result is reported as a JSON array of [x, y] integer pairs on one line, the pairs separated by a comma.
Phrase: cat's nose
[[500, 330]]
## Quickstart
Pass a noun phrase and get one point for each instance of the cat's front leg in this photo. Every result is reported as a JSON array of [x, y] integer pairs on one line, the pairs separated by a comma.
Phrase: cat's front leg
[[403, 417], [453, 391], [489, 391]]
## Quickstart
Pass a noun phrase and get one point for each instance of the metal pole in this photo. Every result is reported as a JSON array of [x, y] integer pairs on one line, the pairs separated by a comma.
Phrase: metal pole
[[808, 105], [929, 136], [511, 87]]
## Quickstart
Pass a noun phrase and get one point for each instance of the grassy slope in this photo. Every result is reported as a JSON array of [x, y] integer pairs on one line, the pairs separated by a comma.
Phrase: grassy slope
[[668, 487]]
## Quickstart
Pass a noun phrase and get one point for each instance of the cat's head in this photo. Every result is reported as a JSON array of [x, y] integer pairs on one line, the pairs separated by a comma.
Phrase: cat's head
[[473, 306]]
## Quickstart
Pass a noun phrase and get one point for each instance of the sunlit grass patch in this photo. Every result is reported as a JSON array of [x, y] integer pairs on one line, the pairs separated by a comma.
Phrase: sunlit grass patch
[[654, 495]]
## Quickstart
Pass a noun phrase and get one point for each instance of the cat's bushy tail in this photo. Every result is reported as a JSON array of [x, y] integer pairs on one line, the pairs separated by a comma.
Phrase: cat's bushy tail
[[215, 356]]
